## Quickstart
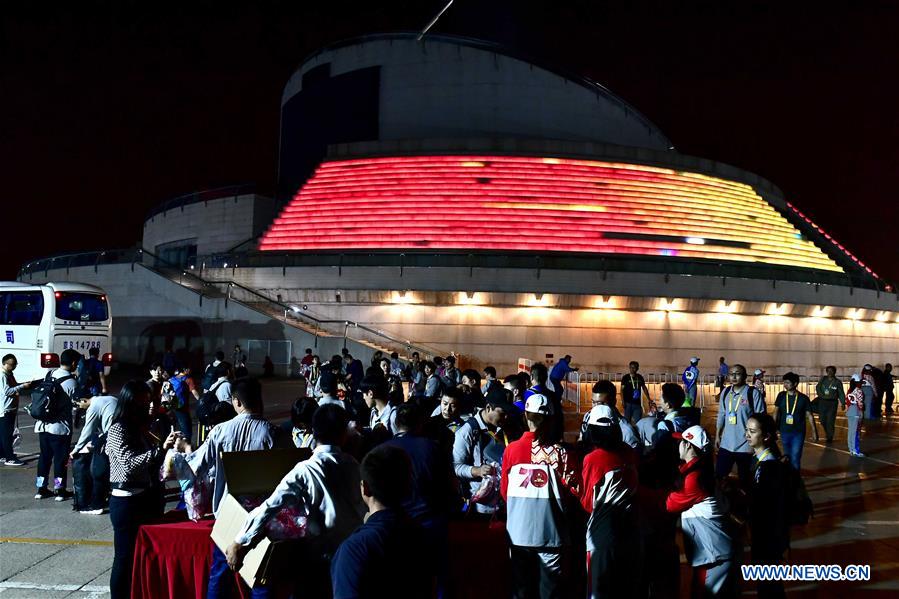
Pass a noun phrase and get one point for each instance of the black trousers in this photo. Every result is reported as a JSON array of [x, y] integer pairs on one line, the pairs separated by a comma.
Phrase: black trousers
[[127, 515], [827, 413], [90, 474], [725, 464], [7, 427], [55, 451], [537, 572]]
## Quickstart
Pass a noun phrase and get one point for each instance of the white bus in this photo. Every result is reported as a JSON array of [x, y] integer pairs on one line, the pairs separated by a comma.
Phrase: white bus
[[39, 322]]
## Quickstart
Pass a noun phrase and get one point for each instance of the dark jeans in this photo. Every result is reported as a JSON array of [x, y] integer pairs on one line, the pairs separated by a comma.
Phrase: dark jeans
[[7, 427], [725, 464], [223, 582], [792, 444], [890, 397], [127, 515], [633, 411], [182, 417], [55, 450], [90, 474], [537, 573], [827, 414]]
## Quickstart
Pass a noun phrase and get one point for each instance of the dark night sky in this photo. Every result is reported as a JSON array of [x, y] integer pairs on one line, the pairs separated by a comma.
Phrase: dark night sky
[[106, 110]]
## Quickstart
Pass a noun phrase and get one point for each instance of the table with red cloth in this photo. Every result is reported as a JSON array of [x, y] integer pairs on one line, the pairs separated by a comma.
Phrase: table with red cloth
[[172, 559]]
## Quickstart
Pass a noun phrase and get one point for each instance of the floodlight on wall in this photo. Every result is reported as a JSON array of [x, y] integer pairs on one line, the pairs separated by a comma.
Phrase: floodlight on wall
[[883, 316], [668, 305], [538, 296], [726, 306], [778, 309], [821, 312], [469, 295]]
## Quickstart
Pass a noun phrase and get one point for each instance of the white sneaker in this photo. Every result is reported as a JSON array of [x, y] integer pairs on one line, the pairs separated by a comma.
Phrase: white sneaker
[[98, 512], [13, 463]]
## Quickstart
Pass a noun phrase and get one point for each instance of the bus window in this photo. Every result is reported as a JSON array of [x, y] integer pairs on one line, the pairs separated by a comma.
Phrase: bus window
[[83, 307], [22, 307]]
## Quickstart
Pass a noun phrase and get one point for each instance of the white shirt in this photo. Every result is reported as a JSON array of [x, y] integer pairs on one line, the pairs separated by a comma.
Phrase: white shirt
[[222, 389], [325, 488], [387, 417], [244, 432]]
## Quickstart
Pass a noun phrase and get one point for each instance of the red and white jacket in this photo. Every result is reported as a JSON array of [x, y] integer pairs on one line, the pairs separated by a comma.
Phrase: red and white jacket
[[856, 397]]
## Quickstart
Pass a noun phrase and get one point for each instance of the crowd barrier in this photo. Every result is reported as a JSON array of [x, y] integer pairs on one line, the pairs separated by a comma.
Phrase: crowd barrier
[[578, 388]]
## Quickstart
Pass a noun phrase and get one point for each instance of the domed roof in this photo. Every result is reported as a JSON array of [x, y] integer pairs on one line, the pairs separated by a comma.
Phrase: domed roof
[[447, 86]]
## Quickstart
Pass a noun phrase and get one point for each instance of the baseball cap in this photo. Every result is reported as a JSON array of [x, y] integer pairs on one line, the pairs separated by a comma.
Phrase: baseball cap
[[696, 436], [539, 404], [694, 360], [601, 415], [856, 377], [759, 371]]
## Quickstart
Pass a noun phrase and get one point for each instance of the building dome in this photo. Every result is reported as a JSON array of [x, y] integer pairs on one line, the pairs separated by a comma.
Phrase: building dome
[[393, 87]]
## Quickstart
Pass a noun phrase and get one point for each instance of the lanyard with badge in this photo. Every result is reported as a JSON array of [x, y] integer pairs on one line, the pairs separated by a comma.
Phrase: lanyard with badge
[[635, 389], [732, 413], [793, 409]]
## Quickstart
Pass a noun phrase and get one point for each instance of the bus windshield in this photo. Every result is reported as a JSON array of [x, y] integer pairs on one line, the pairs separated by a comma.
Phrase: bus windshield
[[82, 307]]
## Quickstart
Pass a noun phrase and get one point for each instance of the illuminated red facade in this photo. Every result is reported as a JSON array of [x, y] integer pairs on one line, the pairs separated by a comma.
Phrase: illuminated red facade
[[538, 205]]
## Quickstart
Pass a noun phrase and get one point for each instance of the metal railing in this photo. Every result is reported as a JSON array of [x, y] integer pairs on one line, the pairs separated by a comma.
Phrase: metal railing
[[205, 195], [189, 280], [579, 387]]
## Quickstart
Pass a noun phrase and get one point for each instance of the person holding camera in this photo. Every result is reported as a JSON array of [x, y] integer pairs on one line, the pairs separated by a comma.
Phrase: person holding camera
[[135, 456]]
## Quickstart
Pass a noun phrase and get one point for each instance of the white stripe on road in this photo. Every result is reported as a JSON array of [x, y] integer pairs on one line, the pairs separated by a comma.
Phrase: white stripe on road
[[9, 584], [866, 458]]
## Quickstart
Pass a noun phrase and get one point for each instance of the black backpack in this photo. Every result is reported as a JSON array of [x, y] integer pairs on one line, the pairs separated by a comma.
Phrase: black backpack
[[49, 402], [206, 404]]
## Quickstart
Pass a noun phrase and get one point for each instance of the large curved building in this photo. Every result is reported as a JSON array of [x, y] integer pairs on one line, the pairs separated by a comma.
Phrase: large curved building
[[450, 195]]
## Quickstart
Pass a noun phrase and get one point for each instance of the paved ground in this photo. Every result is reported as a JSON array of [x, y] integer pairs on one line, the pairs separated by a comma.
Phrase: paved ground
[[48, 551]]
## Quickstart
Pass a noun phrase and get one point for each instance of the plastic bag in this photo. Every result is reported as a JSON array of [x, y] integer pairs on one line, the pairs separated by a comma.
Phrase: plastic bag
[[488, 491], [195, 492], [288, 523]]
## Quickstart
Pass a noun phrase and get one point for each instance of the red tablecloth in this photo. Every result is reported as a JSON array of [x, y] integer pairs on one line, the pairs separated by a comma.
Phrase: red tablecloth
[[172, 560]]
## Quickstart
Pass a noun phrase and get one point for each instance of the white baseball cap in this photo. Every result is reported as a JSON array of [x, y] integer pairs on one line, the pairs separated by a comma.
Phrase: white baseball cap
[[601, 415], [694, 360], [856, 377], [538, 404], [759, 371], [696, 436]]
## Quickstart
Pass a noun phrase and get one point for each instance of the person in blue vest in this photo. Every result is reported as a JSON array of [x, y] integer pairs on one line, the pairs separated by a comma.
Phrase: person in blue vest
[[559, 373], [691, 382]]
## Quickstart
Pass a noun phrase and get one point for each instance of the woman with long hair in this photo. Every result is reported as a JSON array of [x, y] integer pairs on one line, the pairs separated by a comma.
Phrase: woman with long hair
[[134, 459], [769, 501]]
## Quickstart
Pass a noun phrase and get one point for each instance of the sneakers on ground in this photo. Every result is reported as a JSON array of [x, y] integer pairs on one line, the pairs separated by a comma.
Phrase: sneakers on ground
[[857, 454], [97, 512], [43, 493], [13, 463], [62, 495]]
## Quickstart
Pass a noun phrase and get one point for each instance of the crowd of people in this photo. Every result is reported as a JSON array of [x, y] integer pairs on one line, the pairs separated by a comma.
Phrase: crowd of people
[[400, 450]]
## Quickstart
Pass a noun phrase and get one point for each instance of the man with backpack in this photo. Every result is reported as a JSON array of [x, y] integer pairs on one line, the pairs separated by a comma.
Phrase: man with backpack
[[91, 377], [211, 372], [182, 390], [51, 407]]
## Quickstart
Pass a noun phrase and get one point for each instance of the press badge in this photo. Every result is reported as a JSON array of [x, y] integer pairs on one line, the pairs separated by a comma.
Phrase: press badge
[[636, 394], [732, 418], [789, 419]]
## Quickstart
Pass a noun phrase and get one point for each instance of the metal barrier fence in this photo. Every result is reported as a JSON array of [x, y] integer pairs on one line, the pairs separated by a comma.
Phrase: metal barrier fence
[[578, 389]]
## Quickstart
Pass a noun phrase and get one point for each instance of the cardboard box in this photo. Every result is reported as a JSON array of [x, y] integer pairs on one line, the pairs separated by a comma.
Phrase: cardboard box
[[253, 473]]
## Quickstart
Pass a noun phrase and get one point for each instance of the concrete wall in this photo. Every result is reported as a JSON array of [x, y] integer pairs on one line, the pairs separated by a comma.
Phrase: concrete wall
[[218, 225], [603, 323], [150, 312], [444, 88]]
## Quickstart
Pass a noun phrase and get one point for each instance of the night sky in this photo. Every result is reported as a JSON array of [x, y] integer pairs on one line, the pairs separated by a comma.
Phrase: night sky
[[107, 110]]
